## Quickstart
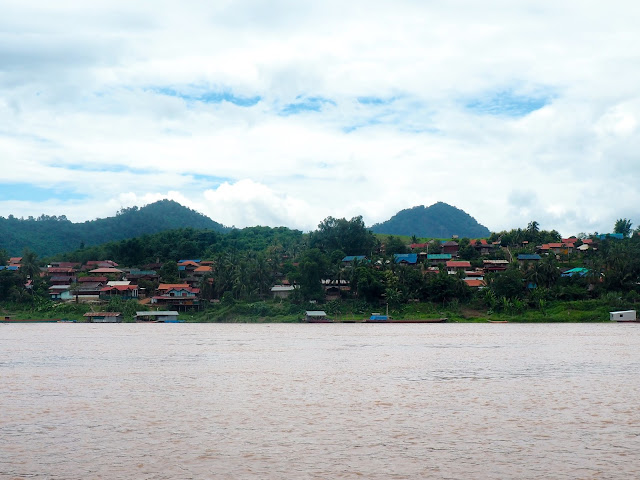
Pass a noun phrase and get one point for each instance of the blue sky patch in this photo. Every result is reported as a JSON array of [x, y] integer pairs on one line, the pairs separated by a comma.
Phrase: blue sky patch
[[25, 192], [305, 104], [105, 168], [208, 96], [210, 180], [376, 100], [507, 103]]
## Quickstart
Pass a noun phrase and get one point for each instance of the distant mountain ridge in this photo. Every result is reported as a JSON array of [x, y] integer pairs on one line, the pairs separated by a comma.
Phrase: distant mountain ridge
[[51, 235], [440, 220]]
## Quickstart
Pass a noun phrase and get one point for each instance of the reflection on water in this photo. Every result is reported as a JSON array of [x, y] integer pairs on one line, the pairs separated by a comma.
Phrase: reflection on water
[[319, 401]]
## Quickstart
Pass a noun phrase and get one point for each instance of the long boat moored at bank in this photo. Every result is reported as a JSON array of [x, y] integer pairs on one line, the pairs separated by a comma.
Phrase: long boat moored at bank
[[29, 320]]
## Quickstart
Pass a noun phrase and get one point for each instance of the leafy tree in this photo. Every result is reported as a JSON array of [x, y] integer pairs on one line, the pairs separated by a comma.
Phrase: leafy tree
[[169, 272], [394, 245], [313, 267], [508, 284], [368, 283], [623, 226], [442, 287], [351, 236], [8, 281]]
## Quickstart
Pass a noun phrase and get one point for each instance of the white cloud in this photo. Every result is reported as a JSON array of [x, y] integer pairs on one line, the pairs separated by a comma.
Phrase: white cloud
[[394, 105], [247, 203]]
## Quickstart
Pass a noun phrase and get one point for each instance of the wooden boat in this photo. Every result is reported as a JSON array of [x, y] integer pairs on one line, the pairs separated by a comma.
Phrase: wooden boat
[[419, 320], [497, 321], [29, 320], [377, 318]]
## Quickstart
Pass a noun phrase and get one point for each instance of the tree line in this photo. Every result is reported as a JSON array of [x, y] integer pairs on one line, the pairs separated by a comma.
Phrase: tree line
[[247, 262]]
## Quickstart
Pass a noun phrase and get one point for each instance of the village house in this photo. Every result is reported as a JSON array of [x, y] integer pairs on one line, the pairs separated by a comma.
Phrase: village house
[[123, 292], [60, 292], [524, 258], [454, 266], [474, 274], [179, 296], [438, 258], [557, 248], [482, 246], [349, 260], [108, 271], [104, 317], [450, 247], [135, 276], [87, 292], [61, 280], [168, 316], [406, 258], [60, 271], [282, 291], [188, 266], [495, 265], [334, 288], [475, 283]]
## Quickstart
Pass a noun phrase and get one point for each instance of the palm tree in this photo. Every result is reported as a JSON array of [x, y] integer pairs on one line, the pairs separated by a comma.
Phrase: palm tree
[[29, 266]]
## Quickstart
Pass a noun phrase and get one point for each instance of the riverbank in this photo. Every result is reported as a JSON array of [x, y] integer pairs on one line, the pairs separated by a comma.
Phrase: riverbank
[[347, 311]]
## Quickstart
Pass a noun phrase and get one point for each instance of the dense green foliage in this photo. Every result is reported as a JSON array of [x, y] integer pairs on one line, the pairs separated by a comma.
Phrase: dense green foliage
[[247, 262], [189, 243], [532, 235], [437, 221], [350, 237], [48, 235]]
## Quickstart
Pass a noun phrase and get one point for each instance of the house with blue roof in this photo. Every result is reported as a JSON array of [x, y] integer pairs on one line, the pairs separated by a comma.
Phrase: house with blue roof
[[528, 257], [604, 236], [351, 259], [438, 258], [406, 258], [576, 272]]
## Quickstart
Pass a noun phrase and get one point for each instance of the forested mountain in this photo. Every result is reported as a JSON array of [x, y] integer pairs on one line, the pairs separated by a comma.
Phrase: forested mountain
[[48, 235], [440, 220]]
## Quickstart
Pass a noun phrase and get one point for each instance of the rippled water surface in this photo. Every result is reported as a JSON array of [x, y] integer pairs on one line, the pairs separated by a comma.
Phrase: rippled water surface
[[82, 401]]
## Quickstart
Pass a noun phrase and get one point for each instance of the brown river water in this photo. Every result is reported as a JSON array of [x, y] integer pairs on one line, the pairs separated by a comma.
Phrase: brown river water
[[323, 401]]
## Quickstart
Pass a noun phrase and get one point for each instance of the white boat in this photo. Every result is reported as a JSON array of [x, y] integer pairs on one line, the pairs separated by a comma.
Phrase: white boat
[[623, 316]]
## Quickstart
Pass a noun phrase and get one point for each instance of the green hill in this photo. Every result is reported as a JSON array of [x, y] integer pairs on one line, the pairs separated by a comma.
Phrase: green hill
[[440, 220], [47, 235]]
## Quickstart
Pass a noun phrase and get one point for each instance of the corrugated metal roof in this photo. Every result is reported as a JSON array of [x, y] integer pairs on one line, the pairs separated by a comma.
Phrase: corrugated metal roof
[[405, 257], [351, 258]]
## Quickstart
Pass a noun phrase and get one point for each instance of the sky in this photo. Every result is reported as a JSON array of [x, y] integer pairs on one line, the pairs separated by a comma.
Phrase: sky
[[282, 113]]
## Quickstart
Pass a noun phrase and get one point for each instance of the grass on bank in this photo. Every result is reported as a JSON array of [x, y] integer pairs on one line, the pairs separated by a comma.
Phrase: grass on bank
[[283, 311]]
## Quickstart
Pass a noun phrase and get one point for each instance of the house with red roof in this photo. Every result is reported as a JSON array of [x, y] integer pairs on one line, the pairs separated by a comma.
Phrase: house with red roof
[[482, 246], [454, 266], [475, 283], [124, 292], [177, 296]]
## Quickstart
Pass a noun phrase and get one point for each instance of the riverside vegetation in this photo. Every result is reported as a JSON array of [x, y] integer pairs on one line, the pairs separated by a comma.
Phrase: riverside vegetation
[[247, 262]]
